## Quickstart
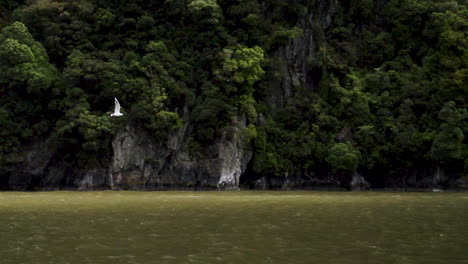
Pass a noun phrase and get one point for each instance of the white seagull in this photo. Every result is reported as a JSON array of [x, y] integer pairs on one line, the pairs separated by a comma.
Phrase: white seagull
[[116, 109]]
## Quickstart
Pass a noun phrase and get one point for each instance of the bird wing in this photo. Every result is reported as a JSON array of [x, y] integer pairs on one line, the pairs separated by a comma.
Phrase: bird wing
[[117, 106]]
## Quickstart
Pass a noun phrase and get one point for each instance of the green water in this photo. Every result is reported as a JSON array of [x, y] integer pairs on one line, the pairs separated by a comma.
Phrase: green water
[[233, 227]]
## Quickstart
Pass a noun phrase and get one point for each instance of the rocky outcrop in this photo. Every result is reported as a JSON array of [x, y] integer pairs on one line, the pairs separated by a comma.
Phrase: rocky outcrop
[[233, 162], [295, 57], [461, 183], [358, 182], [29, 168], [139, 162]]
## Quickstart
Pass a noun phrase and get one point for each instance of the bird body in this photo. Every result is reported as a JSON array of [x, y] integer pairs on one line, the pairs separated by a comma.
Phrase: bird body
[[117, 108]]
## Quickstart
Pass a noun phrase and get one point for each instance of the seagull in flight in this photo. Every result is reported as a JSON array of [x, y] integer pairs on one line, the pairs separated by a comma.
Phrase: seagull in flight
[[117, 108]]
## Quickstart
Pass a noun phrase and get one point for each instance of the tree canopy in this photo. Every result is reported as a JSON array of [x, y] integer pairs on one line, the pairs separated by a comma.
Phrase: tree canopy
[[389, 88]]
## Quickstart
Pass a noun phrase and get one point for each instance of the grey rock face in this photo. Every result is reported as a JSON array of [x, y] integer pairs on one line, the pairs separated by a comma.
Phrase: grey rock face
[[27, 173], [135, 158], [91, 179], [296, 56], [140, 162], [358, 182], [37, 158], [233, 163], [462, 183], [439, 177]]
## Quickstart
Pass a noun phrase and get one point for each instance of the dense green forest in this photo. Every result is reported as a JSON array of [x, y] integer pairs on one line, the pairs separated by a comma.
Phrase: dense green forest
[[387, 89]]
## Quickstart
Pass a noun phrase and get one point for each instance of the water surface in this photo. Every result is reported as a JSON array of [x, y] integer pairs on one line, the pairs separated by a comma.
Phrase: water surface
[[233, 227]]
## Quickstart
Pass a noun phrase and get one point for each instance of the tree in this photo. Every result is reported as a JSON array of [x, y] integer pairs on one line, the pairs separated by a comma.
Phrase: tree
[[208, 10], [343, 158], [26, 88], [241, 65], [447, 145]]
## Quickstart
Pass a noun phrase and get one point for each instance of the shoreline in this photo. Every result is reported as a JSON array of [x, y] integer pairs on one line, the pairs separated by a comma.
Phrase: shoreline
[[343, 190]]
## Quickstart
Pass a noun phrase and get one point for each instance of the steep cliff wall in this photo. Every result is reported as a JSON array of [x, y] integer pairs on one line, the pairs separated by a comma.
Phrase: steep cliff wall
[[138, 160], [296, 56], [139, 163]]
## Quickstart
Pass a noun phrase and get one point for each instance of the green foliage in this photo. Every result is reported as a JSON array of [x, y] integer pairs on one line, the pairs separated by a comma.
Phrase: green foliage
[[26, 81], [387, 70], [207, 9], [247, 105], [389, 79], [343, 157], [450, 114], [13, 52], [281, 36], [448, 143], [94, 129], [242, 65], [267, 159]]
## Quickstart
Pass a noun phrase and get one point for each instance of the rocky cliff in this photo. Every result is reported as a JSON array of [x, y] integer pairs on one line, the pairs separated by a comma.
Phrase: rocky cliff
[[295, 57], [139, 161]]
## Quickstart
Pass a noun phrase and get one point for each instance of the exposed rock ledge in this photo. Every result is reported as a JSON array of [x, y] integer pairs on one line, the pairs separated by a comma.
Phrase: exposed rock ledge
[[138, 163]]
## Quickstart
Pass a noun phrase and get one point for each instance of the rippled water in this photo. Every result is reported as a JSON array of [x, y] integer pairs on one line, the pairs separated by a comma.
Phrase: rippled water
[[233, 227]]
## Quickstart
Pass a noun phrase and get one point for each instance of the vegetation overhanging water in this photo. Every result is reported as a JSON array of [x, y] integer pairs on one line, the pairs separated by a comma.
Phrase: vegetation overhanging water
[[304, 91]]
